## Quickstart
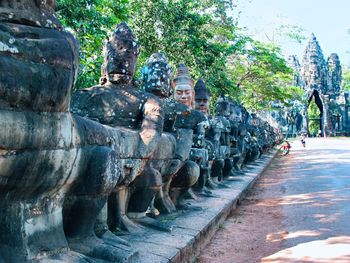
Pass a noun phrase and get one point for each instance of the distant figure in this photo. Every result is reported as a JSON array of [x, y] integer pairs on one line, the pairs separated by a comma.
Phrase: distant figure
[[302, 139], [319, 133], [286, 147]]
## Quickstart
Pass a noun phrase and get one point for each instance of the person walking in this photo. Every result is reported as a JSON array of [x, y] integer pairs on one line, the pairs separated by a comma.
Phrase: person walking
[[302, 139]]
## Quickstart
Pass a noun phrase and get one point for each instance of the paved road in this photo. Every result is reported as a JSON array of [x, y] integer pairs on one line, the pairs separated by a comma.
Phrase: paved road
[[299, 210]]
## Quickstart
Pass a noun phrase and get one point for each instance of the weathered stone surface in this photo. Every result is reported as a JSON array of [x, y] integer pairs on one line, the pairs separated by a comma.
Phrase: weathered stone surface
[[294, 63], [314, 70], [321, 81], [137, 118], [334, 75], [193, 229], [36, 70], [174, 153], [57, 169], [184, 87], [50, 160]]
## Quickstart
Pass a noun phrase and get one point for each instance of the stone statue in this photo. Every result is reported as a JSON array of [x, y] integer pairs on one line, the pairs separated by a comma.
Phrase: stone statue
[[202, 97], [235, 119], [183, 86], [242, 139], [196, 120], [223, 110], [138, 120], [50, 159], [202, 102], [255, 145], [176, 141]]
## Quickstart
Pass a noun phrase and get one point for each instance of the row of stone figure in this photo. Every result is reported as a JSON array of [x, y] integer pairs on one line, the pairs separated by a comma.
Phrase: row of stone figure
[[143, 150]]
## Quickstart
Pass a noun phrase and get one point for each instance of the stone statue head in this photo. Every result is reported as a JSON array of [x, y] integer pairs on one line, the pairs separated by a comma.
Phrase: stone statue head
[[38, 13], [255, 120], [156, 76], [202, 97], [183, 86], [222, 106], [249, 119], [48, 5], [121, 52], [235, 112]]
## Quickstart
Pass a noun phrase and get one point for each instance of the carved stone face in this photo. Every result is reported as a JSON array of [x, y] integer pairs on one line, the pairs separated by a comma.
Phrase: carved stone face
[[235, 113], [222, 107], [121, 55], [156, 76], [202, 97], [184, 93], [249, 119], [255, 120], [183, 86], [202, 105]]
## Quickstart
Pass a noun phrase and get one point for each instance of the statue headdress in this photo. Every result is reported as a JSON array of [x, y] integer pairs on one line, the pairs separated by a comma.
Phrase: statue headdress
[[182, 76], [201, 91], [120, 55]]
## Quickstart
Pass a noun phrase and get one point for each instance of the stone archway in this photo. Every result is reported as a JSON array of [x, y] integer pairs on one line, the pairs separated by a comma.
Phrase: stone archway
[[320, 104]]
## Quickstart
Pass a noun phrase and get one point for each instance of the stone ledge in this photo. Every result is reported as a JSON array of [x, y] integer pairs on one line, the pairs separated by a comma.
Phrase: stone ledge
[[192, 230]]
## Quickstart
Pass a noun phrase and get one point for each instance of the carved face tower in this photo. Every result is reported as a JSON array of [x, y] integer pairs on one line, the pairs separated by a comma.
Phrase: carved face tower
[[202, 97], [156, 76], [121, 55], [183, 87]]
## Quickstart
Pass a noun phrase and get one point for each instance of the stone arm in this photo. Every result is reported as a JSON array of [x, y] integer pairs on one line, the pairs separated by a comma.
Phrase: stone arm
[[216, 127], [233, 137], [199, 138], [151, 127], [225, 135]]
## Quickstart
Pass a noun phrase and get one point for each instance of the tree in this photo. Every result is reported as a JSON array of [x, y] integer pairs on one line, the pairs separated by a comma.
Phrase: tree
[[262, 76], [314, 117], [293, 33], [197, 33], [346, 79], [91, 21]]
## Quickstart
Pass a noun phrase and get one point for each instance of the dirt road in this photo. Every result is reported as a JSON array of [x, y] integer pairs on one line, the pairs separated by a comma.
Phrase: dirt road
[[299, 211]]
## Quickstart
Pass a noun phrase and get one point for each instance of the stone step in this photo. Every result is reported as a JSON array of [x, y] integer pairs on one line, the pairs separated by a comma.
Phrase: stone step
[[192, 230]]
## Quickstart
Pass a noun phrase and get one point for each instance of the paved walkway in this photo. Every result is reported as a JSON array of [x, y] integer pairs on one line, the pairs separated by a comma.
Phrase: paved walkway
[[299, 210]]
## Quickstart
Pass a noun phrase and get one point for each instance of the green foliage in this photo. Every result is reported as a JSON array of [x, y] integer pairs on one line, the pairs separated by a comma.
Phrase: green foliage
[[199, 33], [91, 21], [195, 32], [314, 116], [346, 79], [293, 33], [262, 75]]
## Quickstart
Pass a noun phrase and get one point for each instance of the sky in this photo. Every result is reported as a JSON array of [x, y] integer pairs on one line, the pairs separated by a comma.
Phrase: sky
[[328, 20]]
